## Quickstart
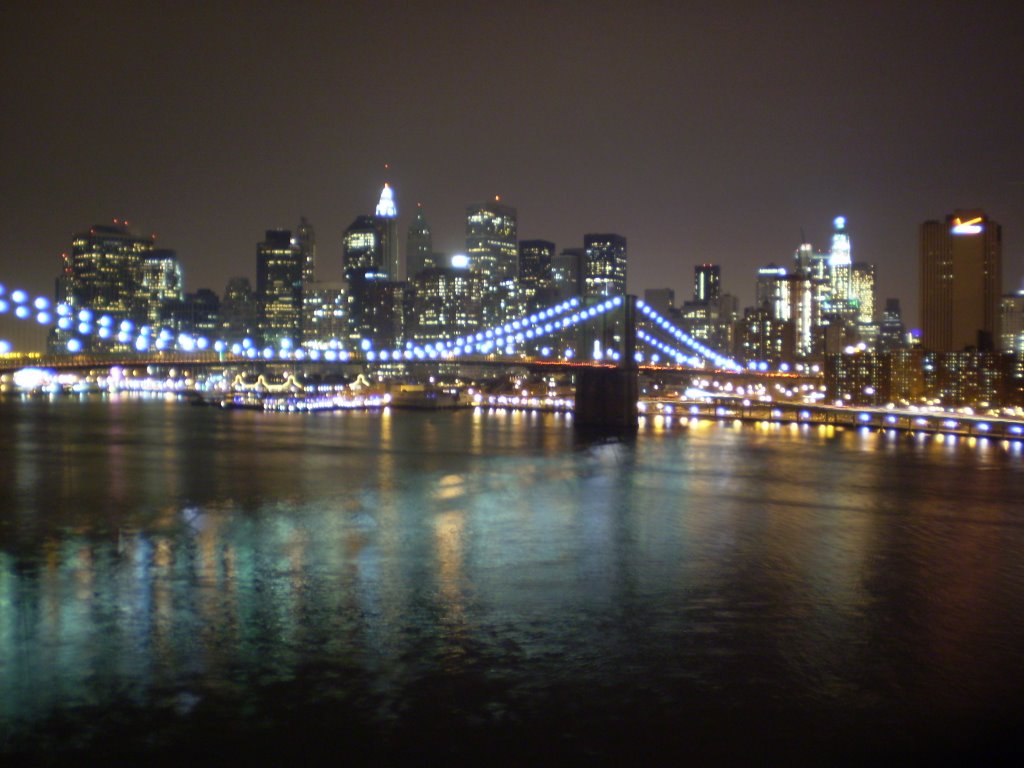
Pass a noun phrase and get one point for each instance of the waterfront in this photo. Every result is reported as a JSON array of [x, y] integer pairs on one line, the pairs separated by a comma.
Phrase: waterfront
[[179, 582]]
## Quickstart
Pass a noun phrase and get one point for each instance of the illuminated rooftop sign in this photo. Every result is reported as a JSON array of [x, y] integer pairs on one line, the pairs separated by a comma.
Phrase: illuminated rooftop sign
[[969, 227]]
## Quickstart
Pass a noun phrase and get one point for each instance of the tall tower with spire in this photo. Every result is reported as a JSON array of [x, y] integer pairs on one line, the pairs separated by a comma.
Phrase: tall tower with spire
[[387, 215]]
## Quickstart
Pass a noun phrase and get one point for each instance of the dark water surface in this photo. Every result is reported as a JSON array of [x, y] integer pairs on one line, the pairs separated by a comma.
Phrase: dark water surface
[[187, 584]]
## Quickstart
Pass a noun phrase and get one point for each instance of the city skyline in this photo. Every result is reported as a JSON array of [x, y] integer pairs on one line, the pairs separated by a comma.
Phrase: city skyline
[[692, 152]]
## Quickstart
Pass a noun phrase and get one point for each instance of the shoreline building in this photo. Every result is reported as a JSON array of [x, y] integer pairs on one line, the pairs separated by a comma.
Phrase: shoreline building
[[961, 282]]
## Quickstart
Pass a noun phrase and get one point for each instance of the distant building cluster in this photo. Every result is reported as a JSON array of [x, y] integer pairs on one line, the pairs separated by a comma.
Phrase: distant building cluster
[[379, 298], [819, 309]]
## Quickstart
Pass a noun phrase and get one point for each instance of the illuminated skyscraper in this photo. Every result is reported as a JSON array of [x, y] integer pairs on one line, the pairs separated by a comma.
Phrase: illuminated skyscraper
[[1011, 323], [840, 268], [446, 301], [279, 288], [707, 283], [363, 248], [387, 216], [961, 282], [605, 265], [492, 246], [106, 271], [325, 313], [491, 241], [773, 292], [162, 283], [862, 291]]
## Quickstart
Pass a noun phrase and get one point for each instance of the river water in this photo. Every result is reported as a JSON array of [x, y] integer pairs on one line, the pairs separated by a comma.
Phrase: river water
[[182, 583]]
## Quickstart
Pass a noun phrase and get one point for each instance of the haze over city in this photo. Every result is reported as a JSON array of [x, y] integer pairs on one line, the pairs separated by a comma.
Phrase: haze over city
[[701, 133]]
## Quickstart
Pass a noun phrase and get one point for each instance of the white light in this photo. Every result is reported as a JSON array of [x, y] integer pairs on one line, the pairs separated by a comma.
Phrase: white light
[[22, 312], [19, 297]]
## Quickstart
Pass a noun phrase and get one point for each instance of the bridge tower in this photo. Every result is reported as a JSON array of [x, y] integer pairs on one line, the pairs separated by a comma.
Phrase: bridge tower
[[606, 397]]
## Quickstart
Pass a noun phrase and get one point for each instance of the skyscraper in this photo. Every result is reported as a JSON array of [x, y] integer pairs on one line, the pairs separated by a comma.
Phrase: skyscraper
[[862, 291], [387, 216], [605, 265], [363, 248], [305, 238], [419, 245], [567, 272], [961, 282], [892, 333], [707, 283], [162, 283], [535, 277], [445, 302], [239, 310], [491, 241], [492, 247], [279, 288], [106, 271], [840, 269]]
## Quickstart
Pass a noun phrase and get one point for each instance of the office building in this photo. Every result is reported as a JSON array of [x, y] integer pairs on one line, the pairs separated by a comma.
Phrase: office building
[[419, 246], [162, 283], [604, 265], [707, 283], [661, 300], [567, 273], [862, 291], [961, 282], [536, 279], [363, 248], [446, 302], [305, 239], [892, 334], [325, 314], [773, 292], [279, 263], [106, 271], [492, 242], [239, 311]]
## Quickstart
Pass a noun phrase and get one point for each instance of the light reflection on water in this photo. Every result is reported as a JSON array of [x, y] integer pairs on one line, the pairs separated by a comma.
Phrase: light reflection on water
[[486, 568]]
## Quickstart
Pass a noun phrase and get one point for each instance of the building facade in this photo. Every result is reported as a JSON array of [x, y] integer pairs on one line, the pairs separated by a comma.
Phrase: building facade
[[279, 263], [604, 265], [961, 282]]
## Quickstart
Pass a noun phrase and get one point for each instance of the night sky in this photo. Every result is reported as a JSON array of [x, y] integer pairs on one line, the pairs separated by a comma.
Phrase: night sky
[[700, 131]]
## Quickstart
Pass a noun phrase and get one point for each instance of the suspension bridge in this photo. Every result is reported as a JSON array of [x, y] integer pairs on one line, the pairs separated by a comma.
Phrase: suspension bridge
[[602, 342]]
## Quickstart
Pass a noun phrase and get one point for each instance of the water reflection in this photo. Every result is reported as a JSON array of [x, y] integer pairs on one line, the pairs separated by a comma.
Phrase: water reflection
[[182, 560]]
